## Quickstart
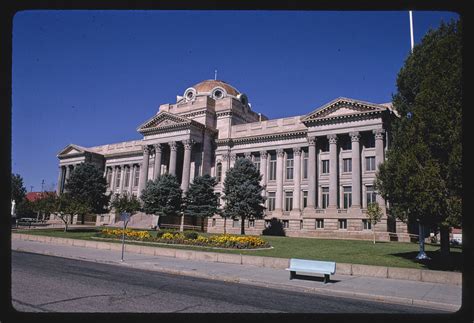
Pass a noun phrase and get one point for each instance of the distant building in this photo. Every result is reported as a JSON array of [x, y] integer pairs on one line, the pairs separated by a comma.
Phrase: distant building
[[318, 169]]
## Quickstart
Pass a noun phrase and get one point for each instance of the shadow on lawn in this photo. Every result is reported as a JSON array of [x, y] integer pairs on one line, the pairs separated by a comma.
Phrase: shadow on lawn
[[451, 263]]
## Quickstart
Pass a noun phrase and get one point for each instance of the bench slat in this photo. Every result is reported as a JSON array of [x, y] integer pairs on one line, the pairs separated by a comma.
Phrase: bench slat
[[316, 266]]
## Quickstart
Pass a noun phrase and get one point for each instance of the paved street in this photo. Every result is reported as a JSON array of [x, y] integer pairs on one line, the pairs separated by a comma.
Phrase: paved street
[[52, 284]]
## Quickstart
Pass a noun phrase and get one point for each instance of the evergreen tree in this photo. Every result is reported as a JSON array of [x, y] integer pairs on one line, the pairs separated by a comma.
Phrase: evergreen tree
[[18, 189], [162, 196], [200, 200], [422, 176], [243, 192], [87, 185], [125, 203]]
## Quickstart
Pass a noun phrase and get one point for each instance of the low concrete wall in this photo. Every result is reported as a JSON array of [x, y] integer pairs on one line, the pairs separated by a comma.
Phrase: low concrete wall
[[432, 276]]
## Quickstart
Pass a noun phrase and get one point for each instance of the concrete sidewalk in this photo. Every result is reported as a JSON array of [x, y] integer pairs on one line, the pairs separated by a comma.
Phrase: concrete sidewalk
[[431, 295]]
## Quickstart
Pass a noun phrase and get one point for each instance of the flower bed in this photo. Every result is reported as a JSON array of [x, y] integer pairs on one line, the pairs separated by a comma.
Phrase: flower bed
[[190, 238]]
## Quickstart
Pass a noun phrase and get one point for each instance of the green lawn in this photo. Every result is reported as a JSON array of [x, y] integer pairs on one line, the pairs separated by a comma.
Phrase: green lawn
[[393, 254]]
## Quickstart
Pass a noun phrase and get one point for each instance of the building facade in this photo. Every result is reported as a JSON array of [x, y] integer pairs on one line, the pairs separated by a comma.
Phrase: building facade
[[318, 169]]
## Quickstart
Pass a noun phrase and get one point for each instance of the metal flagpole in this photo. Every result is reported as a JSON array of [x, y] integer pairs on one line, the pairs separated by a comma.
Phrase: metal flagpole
[[411, 30]]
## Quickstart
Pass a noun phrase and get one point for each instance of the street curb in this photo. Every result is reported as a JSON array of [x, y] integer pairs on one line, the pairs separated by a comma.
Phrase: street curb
[[423, 275], [279, 286]]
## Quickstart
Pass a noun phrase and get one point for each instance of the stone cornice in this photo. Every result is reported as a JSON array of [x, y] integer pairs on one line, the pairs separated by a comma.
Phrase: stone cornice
[[261, 138], [347, 117]]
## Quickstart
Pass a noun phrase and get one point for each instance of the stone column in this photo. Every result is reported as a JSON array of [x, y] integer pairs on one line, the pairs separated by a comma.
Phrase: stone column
[[311, 174], [173, 152], [332, 171], [157, 165], [297, 180], [132, 177], [206, 162], [188, 144], [279, 181], [59, 188], [122, 178], [263, 170], [144, 170], [356, 201], [225, 166], [112, 178], [66, 177], [379, 158]]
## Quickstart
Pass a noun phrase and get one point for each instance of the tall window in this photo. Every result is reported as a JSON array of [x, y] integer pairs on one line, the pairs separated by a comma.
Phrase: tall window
[[109, 177], [235, 223], [256, 162], [370, 163], [289, 166], [347, 165], [117, 178], [127, 177], [219, 172], [137, 176], [271, 201], [325, 197], [305, 199], [325, 166], [288, 200], [346, 144], [342, 224], [286, 224], [305, 164], [370, 194], [370, 142], [347, 196], [273, 168], [251, 223]]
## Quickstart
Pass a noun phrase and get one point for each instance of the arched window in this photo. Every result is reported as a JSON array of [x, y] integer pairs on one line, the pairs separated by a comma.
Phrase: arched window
[[219, 172]]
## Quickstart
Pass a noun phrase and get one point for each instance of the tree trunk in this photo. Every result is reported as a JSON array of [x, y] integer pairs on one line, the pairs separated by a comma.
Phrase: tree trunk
[[242, 226], [82, 218], [444, 239], [373, 231], [225, 223], [181, 226], [202, 223]]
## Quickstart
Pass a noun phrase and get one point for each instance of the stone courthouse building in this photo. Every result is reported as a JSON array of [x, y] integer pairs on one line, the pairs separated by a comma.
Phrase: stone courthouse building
[[318, 169]]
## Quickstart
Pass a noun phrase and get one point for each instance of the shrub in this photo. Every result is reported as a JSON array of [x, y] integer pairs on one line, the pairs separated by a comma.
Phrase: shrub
[[191, 235]]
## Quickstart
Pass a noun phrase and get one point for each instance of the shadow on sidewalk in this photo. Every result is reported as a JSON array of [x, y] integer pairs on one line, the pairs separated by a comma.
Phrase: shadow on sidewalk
[[315, 278]]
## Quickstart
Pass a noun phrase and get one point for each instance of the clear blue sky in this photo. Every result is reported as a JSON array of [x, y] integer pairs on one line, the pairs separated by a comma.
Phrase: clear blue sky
[[92, 77]]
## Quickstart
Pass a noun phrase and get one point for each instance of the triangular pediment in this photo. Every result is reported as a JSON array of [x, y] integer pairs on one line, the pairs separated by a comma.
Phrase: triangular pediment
[[163, 120], [72, 149], [343, 107]]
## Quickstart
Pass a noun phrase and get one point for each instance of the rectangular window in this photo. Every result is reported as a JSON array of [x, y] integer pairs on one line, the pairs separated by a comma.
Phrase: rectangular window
[[117, 178], [267, 223], [319, 223], [305, 165], [346, 144], [325, 197], [271, 201], [235, 223], [288, 201], [273, 168], [347, 196], [325, 166], [289, 167], [370, 163], [370, 194], [367, 225], [286, 224], [213, 222], [342, 224], [251, 223], [301, 224], [347, 165], [127, 177], [305, 199], [256, 162], [370, 142], [137, 176]]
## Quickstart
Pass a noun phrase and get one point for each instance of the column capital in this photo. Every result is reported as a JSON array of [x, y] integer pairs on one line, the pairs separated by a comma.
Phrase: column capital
[[378, 133], [157, 148], [312, 141], [297, 151], [173, 145], [232, 156], [225, 156], [248, 155], [188, 144], [332, 138], [355, 136], [146, 149], [263, 154], [280, 152]]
